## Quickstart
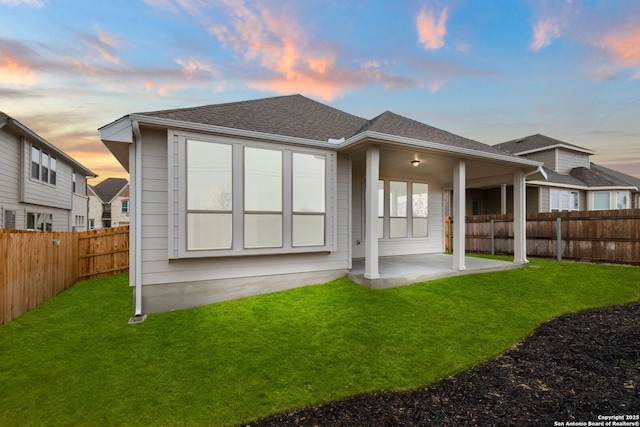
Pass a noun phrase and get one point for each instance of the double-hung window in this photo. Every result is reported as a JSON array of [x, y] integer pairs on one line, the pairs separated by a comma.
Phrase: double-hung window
[[43, 166], [209, 195], [309, 199], [563, 200], [232, 197], [262, 198]]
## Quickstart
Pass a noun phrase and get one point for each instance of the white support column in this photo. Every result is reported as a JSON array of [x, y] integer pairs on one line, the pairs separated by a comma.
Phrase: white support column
[[519, 218], [503, 199], [371, 214], [459, 197]]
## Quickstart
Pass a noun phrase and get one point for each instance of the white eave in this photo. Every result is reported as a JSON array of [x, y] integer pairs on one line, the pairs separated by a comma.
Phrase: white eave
[[553, 147], [120, 132], [583, 187], [436, 146]]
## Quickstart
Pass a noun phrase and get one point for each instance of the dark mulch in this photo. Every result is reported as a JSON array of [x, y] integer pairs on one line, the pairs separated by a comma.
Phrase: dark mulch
[[573, 368]]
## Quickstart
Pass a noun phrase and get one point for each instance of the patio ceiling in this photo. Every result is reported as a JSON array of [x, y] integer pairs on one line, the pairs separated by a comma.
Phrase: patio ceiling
[[481, 173]]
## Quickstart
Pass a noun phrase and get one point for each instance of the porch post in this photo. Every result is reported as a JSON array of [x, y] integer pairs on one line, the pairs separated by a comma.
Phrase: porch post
[[503, 199], [371, 214], [459, 209], [519, 218]]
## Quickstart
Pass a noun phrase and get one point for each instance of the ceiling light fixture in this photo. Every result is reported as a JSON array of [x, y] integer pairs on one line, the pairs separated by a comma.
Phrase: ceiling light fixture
[[415, 163]]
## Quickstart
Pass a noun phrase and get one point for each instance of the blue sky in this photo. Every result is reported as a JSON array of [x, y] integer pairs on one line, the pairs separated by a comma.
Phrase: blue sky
[[487, 70]]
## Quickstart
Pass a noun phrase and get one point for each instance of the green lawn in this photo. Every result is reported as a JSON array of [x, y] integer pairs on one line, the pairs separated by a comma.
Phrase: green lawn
[[75, 361]]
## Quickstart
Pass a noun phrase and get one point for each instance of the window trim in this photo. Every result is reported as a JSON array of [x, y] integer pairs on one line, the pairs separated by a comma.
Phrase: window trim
[[560, 192], [51, 168], [177, 191], [386, 219]]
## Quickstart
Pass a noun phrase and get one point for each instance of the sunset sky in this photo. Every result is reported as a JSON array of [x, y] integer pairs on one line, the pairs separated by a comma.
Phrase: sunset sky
[[487, 70]]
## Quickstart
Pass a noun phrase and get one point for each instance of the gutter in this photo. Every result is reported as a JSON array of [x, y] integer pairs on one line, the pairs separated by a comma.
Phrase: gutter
[[138, 317], [451, 149]]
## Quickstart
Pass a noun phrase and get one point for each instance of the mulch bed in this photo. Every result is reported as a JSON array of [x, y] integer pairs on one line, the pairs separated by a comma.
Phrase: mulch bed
[[570, 370]]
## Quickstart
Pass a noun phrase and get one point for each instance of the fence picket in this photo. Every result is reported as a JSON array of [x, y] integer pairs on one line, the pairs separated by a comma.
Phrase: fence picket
[[602, 236], [35, 266]]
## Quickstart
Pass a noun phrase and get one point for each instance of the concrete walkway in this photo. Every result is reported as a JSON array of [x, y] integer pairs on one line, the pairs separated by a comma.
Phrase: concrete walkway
[[406, 269]]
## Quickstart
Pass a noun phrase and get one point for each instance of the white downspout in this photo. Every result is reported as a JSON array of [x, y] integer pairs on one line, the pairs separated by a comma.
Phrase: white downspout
[[523, 228], [138, 317]]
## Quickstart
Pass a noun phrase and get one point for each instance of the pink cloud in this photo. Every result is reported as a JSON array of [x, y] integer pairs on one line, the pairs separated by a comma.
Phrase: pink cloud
[[544, 32], [552, 21], [431, 31], [624, 45]]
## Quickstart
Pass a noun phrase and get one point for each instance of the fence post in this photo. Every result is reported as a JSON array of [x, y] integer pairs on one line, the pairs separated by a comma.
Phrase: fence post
[[493, 240], [559, 237]]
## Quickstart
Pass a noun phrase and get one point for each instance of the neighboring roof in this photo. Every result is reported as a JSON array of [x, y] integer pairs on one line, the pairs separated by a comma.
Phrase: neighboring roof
[[108, 189], [598, 176], [5, 120], [537, 142], [293, 115], [393, 124], [622, 177], [559, 178]]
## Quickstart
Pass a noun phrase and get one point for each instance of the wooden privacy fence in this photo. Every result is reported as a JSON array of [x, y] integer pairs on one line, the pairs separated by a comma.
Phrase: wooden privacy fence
[[601, 236], [35, 266]]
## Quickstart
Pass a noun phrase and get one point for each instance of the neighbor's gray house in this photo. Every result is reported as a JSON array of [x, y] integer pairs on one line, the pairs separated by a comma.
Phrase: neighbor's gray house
[[109, 204], [249, 197], [41, 187], [573, 182]]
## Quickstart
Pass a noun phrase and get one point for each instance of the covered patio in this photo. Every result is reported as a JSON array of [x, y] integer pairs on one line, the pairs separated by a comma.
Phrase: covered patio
[[406, 269]]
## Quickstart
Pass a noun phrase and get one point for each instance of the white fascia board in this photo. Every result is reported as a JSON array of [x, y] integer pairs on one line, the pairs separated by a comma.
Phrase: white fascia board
[[241, 133], [410, 142], [118, 131], [553, 147], [580, 187]]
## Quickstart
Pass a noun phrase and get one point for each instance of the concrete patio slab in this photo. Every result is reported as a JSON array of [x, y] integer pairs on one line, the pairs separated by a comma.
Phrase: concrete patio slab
[[406, 269]]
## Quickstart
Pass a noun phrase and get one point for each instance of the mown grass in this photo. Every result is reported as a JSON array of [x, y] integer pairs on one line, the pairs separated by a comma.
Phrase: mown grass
[[75, 361]]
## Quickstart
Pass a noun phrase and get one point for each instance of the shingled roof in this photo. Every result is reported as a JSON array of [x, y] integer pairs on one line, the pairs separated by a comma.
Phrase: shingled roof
[[599, 176], [301, 117], [293, 115], [393, 124], [535, 143], [109, 188]]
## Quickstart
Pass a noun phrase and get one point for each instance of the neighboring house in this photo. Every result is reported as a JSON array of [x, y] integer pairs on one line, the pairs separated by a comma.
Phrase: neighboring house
[[41, 187], [250, 197], [573, 183], [109, 203]]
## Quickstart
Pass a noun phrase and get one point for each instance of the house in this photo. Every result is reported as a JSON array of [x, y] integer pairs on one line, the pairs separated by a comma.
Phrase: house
[[42, 188], [109, 204], [243, 198], [573, 182]]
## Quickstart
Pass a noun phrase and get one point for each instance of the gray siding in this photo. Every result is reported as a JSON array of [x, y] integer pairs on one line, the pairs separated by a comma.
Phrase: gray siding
[[9, 168], [155, 264], [389, 247], [546, 157], [568, 160], [544, 200], [21, 194], [42, 193]]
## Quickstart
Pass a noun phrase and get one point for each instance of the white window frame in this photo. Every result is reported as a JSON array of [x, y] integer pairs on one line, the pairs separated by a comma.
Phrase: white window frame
[[573, 196], [626, 194], [39, 218], [384, 222], [177, 192], [50, 177], [125, 205]]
